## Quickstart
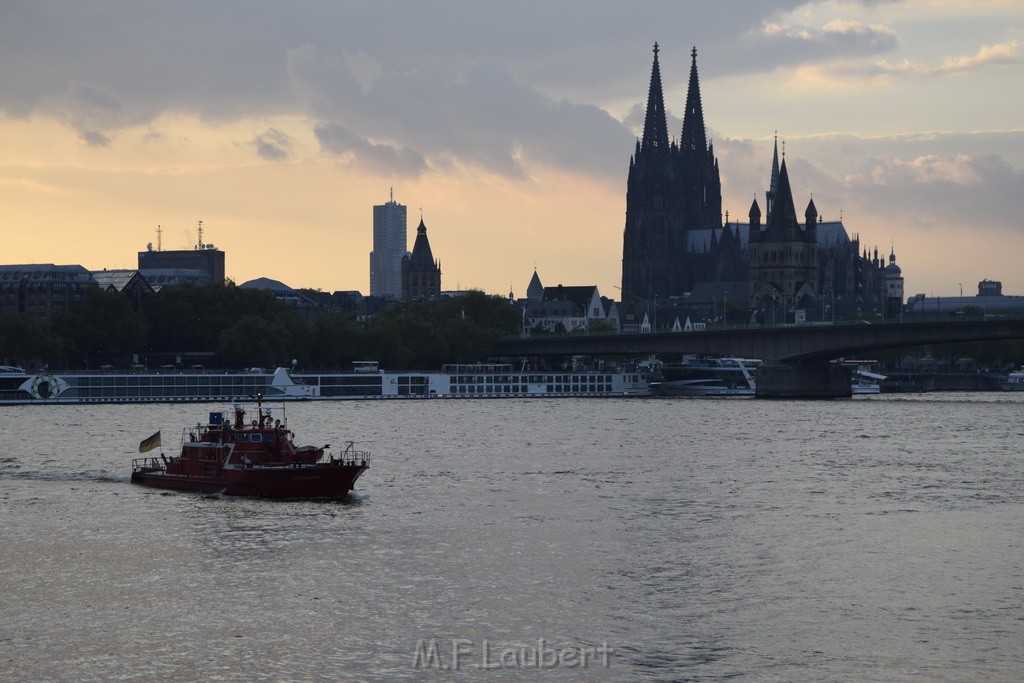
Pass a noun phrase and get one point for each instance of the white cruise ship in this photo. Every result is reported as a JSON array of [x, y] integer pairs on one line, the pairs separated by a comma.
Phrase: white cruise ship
[[365, 382]]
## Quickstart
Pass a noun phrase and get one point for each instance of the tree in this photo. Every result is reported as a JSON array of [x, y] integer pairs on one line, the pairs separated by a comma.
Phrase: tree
[[26, 341], [103, 328], [334, 342], [192, 318], [255, 341]]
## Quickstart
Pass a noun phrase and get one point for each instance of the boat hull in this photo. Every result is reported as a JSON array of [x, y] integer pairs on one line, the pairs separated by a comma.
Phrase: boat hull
[[322, 481], [700, 388]]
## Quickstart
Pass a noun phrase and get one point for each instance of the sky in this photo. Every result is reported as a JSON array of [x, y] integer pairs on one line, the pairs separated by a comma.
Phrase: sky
[[507, 126]]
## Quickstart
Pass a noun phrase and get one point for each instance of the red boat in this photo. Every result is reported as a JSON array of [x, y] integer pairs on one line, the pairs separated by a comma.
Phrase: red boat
[[256, 459]]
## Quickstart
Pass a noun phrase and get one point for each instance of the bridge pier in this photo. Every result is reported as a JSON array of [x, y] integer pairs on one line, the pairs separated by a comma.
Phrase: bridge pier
[[828, 380]]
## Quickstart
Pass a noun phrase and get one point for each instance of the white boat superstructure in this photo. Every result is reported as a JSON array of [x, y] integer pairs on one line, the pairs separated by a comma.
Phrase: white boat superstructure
[[1014, 381], [866, 382], [722, 377]]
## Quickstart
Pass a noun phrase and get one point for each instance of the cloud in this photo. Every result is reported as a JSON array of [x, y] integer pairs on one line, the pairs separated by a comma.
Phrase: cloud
[[417, 86], [89, 110], [477, 112], [979, 190], [774, 45], [338, 140], [987, 55], [273, 145], [94, 138]]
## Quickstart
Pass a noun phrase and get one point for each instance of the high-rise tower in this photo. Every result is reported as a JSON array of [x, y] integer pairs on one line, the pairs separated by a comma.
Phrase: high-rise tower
[[389, 241]]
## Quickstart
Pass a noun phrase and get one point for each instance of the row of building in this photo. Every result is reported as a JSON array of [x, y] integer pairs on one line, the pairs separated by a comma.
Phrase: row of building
[[43, 290]]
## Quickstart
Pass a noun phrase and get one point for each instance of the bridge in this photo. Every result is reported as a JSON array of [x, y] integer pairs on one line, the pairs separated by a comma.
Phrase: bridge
[[805, 344]]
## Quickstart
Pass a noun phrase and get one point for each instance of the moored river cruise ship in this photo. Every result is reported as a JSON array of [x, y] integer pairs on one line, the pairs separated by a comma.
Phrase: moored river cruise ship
[[365, 382]]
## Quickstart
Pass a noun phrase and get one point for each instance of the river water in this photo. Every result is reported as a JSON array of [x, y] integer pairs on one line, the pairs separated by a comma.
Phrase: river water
[[877, 538]]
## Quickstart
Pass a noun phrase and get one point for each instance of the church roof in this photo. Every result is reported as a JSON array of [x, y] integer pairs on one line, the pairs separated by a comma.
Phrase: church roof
[[422, 257], [580, 295], [535, 290], [830, 234], [784, 211], [811, 210]]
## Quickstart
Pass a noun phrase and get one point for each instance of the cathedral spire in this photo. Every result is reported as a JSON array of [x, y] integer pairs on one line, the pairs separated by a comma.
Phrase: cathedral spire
[[694, 138], [775, 166], [782, 220], [773, 185], [655, 127]]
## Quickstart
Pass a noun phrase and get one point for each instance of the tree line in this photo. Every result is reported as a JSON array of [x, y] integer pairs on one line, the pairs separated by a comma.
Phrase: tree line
[[247, 327]]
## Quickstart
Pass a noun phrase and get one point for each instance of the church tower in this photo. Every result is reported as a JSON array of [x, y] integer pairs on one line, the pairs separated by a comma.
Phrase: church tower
[[421, 275], [782, 258], [651, 244], [670, 190]]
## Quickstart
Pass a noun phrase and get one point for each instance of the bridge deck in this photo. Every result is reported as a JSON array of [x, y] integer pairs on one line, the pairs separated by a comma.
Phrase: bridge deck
[[808, 343]]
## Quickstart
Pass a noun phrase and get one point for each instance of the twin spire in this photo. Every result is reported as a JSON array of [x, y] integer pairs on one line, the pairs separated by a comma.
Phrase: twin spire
[[655, 136]]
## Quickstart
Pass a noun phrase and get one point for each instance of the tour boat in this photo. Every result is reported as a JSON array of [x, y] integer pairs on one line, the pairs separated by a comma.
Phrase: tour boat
[[709, 377], [258, 459], [1014, 381]]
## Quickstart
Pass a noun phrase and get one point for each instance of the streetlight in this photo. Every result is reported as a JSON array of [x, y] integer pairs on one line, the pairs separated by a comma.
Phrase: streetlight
[[725, 309]]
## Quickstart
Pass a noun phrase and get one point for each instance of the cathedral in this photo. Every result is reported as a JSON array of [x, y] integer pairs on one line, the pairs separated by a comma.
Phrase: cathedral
[[676, 244]]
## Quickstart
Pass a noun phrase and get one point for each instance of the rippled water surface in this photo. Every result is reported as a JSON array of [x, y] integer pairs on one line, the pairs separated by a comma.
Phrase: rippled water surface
[[872, 539]]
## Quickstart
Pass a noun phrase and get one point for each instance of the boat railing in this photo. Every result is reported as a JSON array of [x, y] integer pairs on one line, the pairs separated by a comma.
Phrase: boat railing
[[147, 465], [350, 456]]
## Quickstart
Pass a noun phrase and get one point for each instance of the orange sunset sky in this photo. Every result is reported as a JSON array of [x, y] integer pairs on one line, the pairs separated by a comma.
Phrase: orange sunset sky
[[280, 125]]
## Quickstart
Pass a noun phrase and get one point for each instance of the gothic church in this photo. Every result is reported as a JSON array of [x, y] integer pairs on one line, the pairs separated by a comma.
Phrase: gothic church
[[675, 239]]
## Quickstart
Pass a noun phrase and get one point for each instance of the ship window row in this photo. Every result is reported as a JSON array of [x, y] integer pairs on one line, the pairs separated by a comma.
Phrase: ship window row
[[365, 390], [532, 379], [368, 381], [171, 381], [153, 392], [525, 389]]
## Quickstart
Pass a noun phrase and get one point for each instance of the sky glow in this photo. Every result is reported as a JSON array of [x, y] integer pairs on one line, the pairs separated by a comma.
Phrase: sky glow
[[280, 125]]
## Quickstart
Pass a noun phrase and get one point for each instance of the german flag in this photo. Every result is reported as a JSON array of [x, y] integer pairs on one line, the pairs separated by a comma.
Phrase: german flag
[[149, 443]]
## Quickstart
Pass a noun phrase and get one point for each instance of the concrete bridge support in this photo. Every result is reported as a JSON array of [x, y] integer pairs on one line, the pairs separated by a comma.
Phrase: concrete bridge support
[[828, 380]]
